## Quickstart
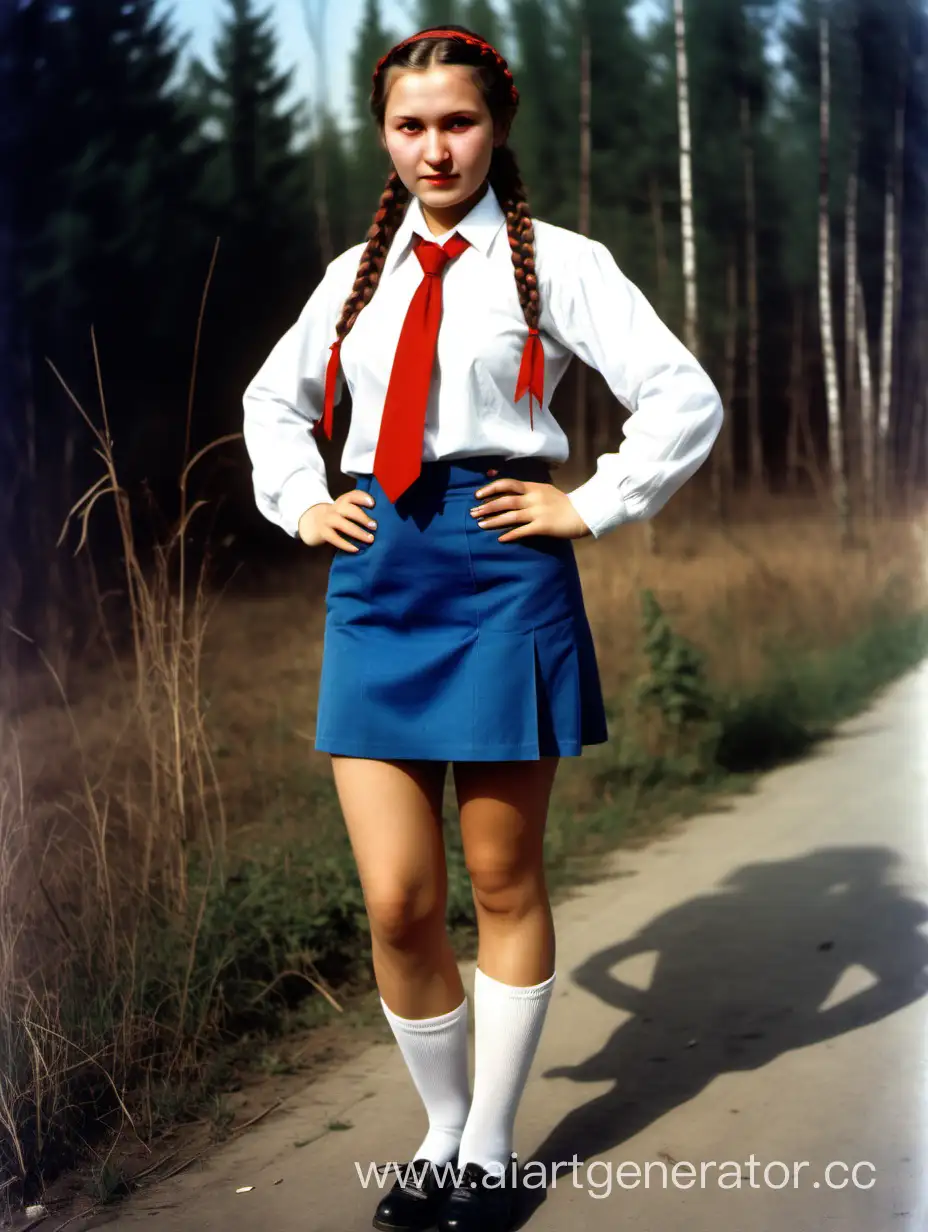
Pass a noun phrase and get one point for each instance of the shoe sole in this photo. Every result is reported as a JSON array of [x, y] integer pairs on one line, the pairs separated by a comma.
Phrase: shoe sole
[[403, 1227]]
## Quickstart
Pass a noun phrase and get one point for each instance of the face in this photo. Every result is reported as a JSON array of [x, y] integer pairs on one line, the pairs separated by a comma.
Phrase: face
[[440, 136]]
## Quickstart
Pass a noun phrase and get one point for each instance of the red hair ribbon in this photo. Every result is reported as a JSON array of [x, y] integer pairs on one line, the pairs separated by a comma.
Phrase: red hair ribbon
[[532, 372], [472, 41], [324, 425]]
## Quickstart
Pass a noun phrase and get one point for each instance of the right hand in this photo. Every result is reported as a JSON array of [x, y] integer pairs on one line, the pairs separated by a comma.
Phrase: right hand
[[330, 522]]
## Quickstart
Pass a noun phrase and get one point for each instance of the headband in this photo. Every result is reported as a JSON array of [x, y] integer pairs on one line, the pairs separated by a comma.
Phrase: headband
[[470, 39]]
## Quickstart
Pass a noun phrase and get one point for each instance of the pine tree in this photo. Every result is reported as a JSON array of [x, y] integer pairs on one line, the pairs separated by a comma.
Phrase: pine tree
[[258, 197], [481, 17], [370, 162], [256, 183], [106, 148], [544, 134], [431, 13]]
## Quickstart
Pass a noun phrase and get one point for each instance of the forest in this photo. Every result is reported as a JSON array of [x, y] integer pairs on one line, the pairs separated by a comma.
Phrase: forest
[[135, 165]]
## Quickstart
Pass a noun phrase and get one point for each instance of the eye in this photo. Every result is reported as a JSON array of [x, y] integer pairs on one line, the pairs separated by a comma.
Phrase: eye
[[459, 121]]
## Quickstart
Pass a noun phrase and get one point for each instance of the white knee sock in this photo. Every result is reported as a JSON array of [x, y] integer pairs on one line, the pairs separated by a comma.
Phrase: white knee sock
[[435, 1052], [508, 1022]]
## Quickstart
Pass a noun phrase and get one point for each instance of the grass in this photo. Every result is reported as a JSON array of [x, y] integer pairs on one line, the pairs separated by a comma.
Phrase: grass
[[177, 893]]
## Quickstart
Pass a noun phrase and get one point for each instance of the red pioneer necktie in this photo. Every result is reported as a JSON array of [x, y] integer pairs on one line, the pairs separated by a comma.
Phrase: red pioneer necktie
[[399, 448], [398, 459]]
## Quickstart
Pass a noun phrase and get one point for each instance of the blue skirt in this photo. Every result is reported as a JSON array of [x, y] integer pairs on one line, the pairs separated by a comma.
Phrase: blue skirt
[[443, 644]]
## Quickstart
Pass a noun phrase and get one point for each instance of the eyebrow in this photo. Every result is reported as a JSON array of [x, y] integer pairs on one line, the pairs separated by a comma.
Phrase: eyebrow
[[458, 111]]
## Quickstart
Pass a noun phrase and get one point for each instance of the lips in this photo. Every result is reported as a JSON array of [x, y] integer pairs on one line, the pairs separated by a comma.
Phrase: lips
[[439, 179]]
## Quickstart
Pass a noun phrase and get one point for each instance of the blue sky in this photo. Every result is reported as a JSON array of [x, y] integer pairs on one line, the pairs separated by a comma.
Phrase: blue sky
[[201, 19]]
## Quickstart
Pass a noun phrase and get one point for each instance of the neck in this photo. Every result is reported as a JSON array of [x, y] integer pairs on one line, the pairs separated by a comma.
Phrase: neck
[[441, 221]]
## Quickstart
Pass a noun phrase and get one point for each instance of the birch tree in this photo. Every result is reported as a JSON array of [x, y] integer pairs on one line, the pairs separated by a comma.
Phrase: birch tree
[[891, 274], [756, 452], [833, 401], [691, 315], [583, 223], [314, 15]]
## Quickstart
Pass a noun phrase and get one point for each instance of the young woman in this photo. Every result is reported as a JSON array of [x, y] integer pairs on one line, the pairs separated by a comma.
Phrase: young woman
[[455, 628]]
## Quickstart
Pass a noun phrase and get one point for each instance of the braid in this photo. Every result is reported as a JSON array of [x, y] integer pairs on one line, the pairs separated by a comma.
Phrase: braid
[[389, 215], [506, 182]]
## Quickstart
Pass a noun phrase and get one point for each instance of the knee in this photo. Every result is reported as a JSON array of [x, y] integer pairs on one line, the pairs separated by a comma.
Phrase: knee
[[401, 916], [504, 888]]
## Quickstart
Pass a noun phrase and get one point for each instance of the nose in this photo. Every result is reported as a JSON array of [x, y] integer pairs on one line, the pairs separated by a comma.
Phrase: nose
[[436, 148]]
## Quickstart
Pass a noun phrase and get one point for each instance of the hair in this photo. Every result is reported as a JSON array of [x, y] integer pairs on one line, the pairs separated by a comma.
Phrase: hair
[[425, 49]]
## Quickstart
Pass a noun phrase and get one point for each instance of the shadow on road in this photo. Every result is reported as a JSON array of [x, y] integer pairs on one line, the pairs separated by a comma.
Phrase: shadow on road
[[739, 978]]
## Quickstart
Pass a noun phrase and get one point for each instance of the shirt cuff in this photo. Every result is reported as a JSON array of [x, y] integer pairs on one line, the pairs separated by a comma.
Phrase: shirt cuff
[[299, 493], [600, 505]]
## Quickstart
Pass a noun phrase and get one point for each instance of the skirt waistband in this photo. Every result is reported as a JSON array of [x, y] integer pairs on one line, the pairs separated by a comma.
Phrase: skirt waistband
[[464, 472]]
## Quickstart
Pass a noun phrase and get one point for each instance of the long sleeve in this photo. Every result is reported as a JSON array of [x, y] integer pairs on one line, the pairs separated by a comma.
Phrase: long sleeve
[[283, 401], [602, 317]]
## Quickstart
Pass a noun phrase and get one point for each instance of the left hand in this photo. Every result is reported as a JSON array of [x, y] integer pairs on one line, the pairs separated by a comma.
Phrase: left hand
[[530, 508]]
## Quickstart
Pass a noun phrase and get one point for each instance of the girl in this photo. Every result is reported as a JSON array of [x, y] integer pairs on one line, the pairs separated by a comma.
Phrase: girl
[[455, 625]]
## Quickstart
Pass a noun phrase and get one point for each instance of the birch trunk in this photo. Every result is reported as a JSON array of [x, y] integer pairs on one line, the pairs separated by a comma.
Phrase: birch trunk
[[867, 468], [583, 225], [314, 15], [854, 444], [691, 316], [890, 299], [754, 428], [835, 440]]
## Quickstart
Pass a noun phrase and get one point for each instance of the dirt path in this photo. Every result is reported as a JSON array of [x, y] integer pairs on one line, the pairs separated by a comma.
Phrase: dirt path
[[751, 985]]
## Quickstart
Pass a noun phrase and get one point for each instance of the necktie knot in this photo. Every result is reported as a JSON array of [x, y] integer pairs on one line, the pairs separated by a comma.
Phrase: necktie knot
[[433, 257]]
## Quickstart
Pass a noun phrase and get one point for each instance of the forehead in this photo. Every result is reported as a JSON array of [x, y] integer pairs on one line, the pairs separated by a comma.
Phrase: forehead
[[433, 91]]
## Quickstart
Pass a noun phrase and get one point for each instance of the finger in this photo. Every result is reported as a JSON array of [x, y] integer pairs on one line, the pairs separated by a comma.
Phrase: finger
[[500, 505], [347, 527], [356, 513], [521, 532], [359, 497], [501, 485], [514, 518], [331, 536]]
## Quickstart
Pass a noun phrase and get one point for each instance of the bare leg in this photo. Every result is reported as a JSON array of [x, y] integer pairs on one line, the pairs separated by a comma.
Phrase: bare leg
[[393, 814], [504, 809]]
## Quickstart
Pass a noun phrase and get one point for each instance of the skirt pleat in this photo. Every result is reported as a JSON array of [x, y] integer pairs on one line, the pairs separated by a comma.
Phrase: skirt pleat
[[441, 643]]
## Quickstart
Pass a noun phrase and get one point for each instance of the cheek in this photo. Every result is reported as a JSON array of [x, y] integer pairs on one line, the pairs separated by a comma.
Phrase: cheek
[[474, 146], [400, 151]]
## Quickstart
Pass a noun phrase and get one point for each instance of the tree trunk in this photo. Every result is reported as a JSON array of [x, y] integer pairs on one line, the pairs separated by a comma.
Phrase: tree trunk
[[723, 462], [583, 226], [795, 393], [890, 300], [867, 468], [835, 440], [852, 419], [691, 315], [315, 28], [754, 429], [660, 246]]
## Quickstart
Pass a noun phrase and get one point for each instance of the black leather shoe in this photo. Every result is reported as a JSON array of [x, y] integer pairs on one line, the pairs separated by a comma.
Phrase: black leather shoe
[[482, 1202], [413, 1207]]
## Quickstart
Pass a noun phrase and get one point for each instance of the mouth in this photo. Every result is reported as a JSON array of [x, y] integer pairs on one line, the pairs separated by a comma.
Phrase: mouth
[[439, 179]]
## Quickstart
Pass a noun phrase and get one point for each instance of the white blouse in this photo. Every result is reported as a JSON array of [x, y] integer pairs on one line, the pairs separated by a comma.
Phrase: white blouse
[[588, 308]]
